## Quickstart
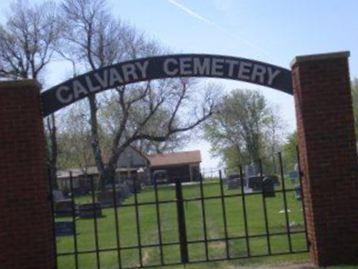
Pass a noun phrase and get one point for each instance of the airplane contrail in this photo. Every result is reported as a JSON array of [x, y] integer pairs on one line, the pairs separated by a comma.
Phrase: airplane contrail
[[201, 18], [190, 12]]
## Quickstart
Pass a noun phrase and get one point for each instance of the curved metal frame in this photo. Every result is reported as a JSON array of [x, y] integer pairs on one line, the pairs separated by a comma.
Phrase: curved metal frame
[[165, 66]]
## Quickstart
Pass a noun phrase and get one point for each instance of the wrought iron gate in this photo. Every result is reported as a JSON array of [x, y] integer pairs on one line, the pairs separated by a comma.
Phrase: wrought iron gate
[[184, 223]]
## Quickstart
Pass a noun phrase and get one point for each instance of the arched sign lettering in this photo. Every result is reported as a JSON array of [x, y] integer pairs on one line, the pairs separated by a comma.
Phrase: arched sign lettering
[[168, 66]]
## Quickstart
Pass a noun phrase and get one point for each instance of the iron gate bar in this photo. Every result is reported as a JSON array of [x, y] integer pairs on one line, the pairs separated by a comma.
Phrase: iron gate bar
[[212, 197], [243, 237], [203, 215], [215, 197], [244, 212], [285, 202], [224, 259], [302, 197], [53, 220], [74, 221], [178, 243], [199, 198], [137, 222], [158, 222], [114, 194], [265, 210], [224, 215], [95, 223], [181, 222]]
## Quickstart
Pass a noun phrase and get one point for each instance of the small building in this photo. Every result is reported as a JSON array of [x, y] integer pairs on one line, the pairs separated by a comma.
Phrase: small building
[[184, 165], [80, 179], [132, 163]]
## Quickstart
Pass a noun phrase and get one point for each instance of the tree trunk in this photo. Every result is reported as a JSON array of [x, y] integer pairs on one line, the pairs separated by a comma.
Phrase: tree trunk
[[95, 143], [107, 177]]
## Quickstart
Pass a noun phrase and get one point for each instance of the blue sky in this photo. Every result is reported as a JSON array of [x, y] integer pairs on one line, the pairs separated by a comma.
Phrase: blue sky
[[271, 31]]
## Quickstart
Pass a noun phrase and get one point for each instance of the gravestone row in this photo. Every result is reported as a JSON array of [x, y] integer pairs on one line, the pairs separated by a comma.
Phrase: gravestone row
[[63, 206], [254, 182]]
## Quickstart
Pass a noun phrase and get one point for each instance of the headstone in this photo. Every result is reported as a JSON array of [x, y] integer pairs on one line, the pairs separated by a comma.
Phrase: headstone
[[90, 210], [298, 192], [58, 195], [234, 176], [63, 208], [293, 175], [134, 186], [233, 181], [124, 190], [275, 180], [255, 183], [64, 228], [251, 170], [268, 187], [233, 184], [105, 197]]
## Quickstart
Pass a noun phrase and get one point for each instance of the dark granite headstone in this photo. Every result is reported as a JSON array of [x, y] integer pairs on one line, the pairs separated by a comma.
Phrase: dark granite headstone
[[268, 187], [63, 208], [87, 211], [255, 183], [64, 228], [275, 180], [298, 192], [233, 184], [234, 176]]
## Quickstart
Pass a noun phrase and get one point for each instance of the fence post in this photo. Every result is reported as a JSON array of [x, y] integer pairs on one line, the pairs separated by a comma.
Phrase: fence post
[[26, 228], [181, 222], [328, 156]]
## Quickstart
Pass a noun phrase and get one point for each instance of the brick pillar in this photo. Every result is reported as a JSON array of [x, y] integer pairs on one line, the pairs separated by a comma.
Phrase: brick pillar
[[328, 156], [26, 231]]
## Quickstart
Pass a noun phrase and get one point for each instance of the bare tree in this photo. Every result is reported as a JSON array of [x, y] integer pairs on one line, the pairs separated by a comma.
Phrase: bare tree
[[27, 42], [74, 139], [175, 142], [155, 115], [95, 39]]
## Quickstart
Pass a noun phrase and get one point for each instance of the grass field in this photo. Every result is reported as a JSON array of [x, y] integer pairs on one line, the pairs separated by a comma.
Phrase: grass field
[[194, 224]]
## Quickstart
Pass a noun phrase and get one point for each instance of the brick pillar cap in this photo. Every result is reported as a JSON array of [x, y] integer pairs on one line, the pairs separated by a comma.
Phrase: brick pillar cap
[[8, 84], [322, 56]]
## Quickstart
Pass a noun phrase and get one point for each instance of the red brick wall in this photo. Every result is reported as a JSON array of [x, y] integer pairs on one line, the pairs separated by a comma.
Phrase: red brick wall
[[328, 156], [26, 236]]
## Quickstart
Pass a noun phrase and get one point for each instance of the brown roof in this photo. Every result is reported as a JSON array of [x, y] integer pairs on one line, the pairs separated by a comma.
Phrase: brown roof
[[175, 158]]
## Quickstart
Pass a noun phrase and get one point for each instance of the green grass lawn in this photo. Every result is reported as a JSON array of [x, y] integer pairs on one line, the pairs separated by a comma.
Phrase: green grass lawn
[[194, 224]]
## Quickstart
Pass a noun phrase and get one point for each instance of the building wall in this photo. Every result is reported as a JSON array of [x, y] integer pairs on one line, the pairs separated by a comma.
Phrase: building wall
[[185, 172], [131, 158]]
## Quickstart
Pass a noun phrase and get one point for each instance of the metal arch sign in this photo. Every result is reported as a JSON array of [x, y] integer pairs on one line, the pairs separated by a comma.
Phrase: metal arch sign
[[166, 66]]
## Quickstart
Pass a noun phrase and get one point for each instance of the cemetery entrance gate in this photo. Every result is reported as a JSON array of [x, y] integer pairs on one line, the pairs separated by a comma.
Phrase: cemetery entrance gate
[[213, 219], [320, 85]]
